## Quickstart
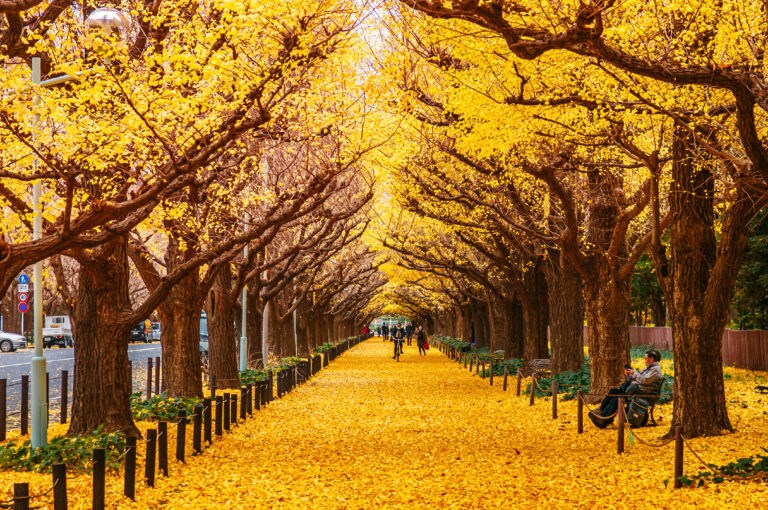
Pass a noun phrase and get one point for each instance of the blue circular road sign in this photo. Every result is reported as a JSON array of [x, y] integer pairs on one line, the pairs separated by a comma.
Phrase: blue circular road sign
[[23, 307], [23, 279]]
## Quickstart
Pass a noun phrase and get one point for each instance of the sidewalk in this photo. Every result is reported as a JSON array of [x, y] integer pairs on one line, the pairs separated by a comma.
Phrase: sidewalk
[[369, 432]]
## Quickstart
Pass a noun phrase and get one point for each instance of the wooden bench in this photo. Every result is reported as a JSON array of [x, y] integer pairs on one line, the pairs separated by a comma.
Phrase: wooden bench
[[538, 368]]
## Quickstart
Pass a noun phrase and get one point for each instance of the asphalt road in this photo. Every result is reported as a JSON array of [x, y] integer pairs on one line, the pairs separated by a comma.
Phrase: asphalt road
[[15, 364]]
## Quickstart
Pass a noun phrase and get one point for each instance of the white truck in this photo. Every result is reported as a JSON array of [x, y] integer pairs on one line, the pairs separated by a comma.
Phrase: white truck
[[57, 330]]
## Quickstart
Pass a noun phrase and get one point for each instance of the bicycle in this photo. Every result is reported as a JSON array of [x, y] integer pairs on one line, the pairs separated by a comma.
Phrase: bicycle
[[398, 348]]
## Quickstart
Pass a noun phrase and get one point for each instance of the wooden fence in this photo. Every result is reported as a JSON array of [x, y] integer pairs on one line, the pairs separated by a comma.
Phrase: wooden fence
[[741, 349]]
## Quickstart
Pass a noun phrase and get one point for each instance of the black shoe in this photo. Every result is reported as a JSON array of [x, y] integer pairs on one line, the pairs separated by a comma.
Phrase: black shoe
[[600, 421]]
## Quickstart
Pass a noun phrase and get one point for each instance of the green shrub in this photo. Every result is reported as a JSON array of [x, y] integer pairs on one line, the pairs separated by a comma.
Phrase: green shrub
[[160, 407], [251, 376], [75, 452]]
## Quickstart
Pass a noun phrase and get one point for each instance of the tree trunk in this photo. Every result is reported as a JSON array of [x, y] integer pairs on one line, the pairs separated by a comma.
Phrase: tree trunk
[[607, 307], [702, 280], [658, 311], [253, 327], [566, 316], [498, 319], [516, 340], [102, 386], [222, 348], [180, 319], [535, 313]]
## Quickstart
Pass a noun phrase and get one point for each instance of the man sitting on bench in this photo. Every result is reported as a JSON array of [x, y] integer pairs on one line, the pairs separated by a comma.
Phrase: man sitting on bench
[[645, 383]]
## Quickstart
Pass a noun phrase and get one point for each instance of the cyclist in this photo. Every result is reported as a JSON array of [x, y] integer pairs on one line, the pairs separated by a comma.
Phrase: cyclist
[[398, 334]]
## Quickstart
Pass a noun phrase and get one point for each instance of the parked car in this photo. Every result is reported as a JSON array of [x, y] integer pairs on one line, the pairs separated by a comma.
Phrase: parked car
[[138, 335], [155, 331], [59, 340], [11, 341], [57, 330]]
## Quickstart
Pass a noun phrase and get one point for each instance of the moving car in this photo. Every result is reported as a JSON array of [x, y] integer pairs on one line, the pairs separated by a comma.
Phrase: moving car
[[11, 341]]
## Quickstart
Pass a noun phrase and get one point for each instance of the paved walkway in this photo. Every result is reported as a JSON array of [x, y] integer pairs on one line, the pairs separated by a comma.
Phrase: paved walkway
[[369, 432]]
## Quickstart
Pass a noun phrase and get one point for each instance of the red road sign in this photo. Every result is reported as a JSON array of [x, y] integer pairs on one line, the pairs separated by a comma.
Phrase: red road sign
[[23, 297], [23, 307]]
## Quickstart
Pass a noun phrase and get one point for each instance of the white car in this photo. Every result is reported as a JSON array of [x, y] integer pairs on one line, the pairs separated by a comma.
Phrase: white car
[[155, 331], [11, 341]]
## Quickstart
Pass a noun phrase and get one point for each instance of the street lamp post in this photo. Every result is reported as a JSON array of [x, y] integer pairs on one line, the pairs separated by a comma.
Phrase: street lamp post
[[243, 333], [112, 22]]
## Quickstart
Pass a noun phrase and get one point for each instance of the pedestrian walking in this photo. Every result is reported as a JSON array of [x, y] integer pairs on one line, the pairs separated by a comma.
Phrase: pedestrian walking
[[421, 341], [408, 332], [385, 332]]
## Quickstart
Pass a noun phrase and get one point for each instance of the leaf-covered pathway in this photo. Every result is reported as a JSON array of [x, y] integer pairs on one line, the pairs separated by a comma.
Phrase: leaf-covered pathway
[[369, 432]]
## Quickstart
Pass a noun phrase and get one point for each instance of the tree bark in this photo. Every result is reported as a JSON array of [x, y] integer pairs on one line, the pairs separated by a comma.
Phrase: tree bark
[[180, 319], [701, 284], [222, 348], [566, 315], [498, 320], [102, 387], [535, 313], [607, 306]]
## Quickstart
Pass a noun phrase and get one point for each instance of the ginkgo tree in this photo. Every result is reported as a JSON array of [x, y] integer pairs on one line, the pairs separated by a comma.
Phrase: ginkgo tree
[[127, 135], [712, 48]]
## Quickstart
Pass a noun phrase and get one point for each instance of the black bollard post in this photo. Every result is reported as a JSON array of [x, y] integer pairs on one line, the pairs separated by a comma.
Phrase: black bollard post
[[21, 496], [243, 403], [162, 447], [99, 477], [533, 390], [249, 397], [64, 395], [506, 376], [24, 405], [207, 414], [181, 435], [3, 409], [157, 375], [233, 410], [580, 412], [59, 486], [227, 409], [554, 399], [219, 415], [129, 482], [620, 426], [149, 466], [197, 429], [678, 456], [149, 378]]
